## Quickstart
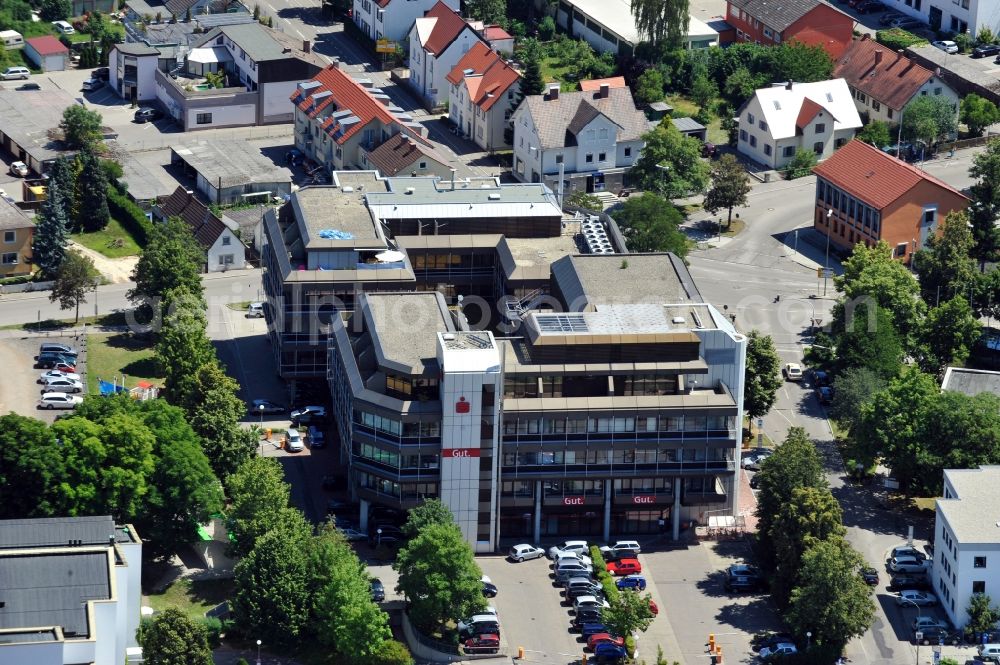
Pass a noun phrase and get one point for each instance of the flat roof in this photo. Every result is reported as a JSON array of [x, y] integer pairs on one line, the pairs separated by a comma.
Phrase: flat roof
[[27, 116], [969, 513], [336, 217], [588, 279], [22, 636], [424, 197], [51, 588], [144, 184], [531, 258], [230, 163], [39, 532], [971, 381], [616, 15], [469, 351], [619, 324], [403, 328]]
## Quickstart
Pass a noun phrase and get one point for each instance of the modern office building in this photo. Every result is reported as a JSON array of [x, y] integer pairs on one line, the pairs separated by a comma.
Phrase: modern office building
[[615, 410], [71, 589]]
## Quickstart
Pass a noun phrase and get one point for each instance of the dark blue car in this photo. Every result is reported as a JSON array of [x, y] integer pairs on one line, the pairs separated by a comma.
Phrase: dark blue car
[[589, 629], [609, 651], [637, 582]]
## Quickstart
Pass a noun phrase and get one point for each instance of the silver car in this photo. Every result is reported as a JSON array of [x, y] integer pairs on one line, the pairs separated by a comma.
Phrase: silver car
[[524, 552]]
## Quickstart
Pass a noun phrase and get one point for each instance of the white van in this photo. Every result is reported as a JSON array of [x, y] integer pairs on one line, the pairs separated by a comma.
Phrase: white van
[[11, 39], [63, 27], [989, 652]]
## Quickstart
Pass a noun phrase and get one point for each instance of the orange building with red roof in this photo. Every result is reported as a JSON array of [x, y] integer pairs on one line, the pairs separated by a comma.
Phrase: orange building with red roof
[[483, 91], [864, 195], [438, 40]]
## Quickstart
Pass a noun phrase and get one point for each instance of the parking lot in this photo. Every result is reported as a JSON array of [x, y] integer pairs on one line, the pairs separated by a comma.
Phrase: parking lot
[[20, 390]]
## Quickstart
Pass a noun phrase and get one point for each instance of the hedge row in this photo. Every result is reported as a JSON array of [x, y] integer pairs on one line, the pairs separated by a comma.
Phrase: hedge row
[[897, 38], [131, 216]]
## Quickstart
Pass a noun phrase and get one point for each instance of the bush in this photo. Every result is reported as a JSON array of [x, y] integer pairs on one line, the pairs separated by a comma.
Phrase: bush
[[630, 645], [130, 215], [801, 164], [546, 28], [964, 41], [213, 631], [598, 558], [897, 38]]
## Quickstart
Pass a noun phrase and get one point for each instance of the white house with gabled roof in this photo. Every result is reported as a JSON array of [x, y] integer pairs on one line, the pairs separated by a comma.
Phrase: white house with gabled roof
[[779, 120]]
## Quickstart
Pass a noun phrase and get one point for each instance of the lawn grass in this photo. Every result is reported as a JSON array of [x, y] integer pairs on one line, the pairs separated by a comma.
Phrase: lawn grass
[[107, 241], [716, 134], [239, 306], [111, 355], [551, 71], [682, 105], [193, 597], [927, 503]]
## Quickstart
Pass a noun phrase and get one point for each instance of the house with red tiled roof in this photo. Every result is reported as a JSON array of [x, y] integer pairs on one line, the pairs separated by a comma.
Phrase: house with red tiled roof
[[438, 40], [223, 248], [391, 19], [483, 92], [339, 120], [48, 53], [595, 84], [864, 195], [883, 81], [810, 22]]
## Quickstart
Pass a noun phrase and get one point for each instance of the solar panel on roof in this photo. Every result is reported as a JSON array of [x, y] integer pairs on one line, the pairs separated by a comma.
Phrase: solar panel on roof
[[562, 323]]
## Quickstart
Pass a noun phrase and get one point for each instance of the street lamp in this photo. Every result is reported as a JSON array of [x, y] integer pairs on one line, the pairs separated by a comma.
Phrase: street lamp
[[378, 541], [260, 409], [808, 639], [826, 263], [914, 603], [258, 652]]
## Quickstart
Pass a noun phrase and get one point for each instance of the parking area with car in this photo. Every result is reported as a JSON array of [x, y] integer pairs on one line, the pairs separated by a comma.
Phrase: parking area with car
[[43, 376]]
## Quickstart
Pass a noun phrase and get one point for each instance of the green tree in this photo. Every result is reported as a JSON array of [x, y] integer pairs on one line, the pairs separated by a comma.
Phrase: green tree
[[182, 346], [812, 515], [978, 113], [439, 577], [740, 85], [391, 652], [869, 339], [81, 127], [853, 388], [651, 224], [54, 10], [75, 278], [946, 267], [929, 118], [670, 163], [491, 12], [985, 194], [795, 61], [171, 260], [48, 244], [875, 133], [730, 187], [628, 612], [947, 335], [983, 615], [31, 471], [662, 22], [801, 164], [649, 87], [171, 638], [703, 91], [271, 582], [762, 376], [214, 411], [794, 464], [258, 496], [584, 200], [546, 28], [431, 511], [832, 601], [532, 82]]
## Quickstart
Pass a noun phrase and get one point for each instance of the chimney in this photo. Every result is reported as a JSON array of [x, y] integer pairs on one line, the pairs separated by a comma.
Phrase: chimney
[[788, 86], [605, 90], [307, 46], [553, 91], [335, 63], [878, 57]]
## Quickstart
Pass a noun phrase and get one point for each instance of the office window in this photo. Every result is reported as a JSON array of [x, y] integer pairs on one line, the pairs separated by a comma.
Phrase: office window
[[979, 562], [602, 157], [9, 258], [203, 119], [979, 586], [590, 158], [767, 150], [820, 127], [10, 236]]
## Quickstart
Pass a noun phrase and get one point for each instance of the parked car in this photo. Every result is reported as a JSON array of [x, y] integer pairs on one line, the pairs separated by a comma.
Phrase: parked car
[[918, 598], [589, 628], [484, 643], [637, 582], [609, 651], [255, 310], [479, 625], [490, 590], [755, 481], [52, 361], [869, 575], [59, 401], [588, 615], [579, 546], [780, 649], [378, 590], [908, 564], [602, 638], [102, 73], [941, 635], [61, 357], [583, 584], [63, 28], [524, 551], [15, 73], [870, 7], [901, 582], [907, 550], [792, 372], [19, 169], [946, 45], [576, 592], [984, 50], [588, 602], [572, 556], [259, 406], [623, 546], [62, 385], [63, 367], [293, 440], [147, 114], [92, 84], [624, 567], [824, 394], [308, 414], [821, 378], [753, 459], [889, 17], [316, 437], [907, 23], [743, 578], [352, 535], [55, 374], [762, 640], [924, 623], [52, 347]]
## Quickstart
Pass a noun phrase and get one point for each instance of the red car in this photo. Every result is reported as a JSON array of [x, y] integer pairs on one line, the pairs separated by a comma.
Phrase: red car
[[482, 644], [604, 638], [624, 567]]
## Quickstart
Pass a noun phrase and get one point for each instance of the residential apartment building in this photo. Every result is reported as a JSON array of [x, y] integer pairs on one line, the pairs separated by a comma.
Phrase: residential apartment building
[[222, 247], [483, 89], [18, 230], [132, 71], [437, 41], [883, 82], [811, 22], [589, 138], [864, 195], [340, 120], [966, 542], [71, 592], [613, 418], [402, 155], [779, 120], [367, 233], [956, 16], [609, 27], [392, 19]]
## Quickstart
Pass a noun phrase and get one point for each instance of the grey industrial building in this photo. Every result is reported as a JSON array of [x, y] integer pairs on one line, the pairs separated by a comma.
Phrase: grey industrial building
[[232, 171]]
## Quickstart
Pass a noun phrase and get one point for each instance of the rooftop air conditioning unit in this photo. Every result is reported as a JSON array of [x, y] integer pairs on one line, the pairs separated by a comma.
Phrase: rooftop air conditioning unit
[[494, 197], [410, 190], [347, 190]]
